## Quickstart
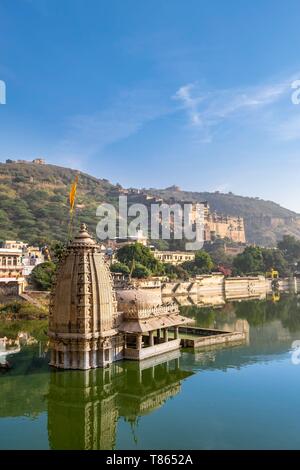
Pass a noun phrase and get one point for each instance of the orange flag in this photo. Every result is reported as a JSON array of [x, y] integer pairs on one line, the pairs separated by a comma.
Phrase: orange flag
[[72, 194]]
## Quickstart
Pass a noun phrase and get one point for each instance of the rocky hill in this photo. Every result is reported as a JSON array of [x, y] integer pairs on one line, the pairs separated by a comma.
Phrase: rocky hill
[[34, 204]]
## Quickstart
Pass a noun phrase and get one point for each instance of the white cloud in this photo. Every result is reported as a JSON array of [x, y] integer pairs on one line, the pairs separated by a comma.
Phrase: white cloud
[[190, 103], [206, 110], [87, 135]]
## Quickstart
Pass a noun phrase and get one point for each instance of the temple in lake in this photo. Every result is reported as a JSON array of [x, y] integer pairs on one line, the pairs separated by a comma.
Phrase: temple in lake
[[90, 326]]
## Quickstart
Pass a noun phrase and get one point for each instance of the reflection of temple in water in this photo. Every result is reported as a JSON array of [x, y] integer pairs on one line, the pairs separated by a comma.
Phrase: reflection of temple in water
[[84, 406]]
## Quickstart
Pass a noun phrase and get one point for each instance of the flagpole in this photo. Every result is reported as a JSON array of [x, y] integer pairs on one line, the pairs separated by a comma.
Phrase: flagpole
[[72, 198], [70, 228]]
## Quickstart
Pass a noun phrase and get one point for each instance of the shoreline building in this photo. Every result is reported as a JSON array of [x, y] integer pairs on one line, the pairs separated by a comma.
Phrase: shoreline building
[[174, 257], [12, 282], [17, 260], [86, 330]]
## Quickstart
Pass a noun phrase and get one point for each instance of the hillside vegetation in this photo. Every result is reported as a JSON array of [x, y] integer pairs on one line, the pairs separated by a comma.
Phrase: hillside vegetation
[[34, 205], [34, 201]]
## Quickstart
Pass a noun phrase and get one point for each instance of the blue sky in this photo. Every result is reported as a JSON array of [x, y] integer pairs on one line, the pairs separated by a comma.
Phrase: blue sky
[[195, 93]]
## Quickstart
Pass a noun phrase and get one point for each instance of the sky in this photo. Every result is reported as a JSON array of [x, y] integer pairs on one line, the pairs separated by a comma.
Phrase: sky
[[196, 93]]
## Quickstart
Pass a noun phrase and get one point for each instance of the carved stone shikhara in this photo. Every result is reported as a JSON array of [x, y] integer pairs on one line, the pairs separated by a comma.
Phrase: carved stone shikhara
[[83, 309]]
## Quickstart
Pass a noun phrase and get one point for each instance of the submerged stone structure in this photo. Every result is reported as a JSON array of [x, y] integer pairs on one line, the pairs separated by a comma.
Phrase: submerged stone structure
[[86, 330]]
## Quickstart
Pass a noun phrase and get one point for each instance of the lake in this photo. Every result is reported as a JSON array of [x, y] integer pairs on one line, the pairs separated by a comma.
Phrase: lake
[[238, 397]]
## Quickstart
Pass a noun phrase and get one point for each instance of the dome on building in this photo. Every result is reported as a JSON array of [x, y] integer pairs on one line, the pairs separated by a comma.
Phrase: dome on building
[[138, 299]]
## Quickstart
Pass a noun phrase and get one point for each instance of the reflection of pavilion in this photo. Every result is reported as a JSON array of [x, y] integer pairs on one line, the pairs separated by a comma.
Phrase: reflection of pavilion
[[84, 406]]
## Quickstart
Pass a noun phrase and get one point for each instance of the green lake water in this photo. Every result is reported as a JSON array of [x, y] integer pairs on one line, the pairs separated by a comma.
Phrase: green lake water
[[240, 397]]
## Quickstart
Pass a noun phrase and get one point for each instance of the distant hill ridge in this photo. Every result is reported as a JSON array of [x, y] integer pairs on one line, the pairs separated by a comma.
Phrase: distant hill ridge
[[34, 204]]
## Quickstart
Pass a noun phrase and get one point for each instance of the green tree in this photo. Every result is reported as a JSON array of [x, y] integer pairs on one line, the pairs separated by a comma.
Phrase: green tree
[[141, 254], [203, 263], [220, 257], [120, 268], [42, 275], [140, 271], [250, 261], [290, 248], [176, 272], [57, 250], [160, 244], [274, 259]]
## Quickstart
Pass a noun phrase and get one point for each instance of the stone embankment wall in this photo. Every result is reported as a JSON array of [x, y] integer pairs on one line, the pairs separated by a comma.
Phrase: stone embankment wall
[[216, 289], [238, 288], [11, 287]]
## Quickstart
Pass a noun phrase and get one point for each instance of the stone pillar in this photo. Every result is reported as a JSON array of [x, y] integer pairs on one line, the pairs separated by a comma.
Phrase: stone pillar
[[100, 358], [84, 362], [106, 356], [94, 358], [52, 358], [56, 358], [74, 360], [166, 335], [139, 341], [176, 332], [151, 338], [87, 360], [81, 359], [66, 360]]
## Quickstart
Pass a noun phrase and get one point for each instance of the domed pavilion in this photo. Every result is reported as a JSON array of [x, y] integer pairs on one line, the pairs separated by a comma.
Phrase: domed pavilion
[[149, 327]]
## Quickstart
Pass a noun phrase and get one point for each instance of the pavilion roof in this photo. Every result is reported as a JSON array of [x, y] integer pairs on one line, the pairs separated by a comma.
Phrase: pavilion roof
[[150, 324]]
